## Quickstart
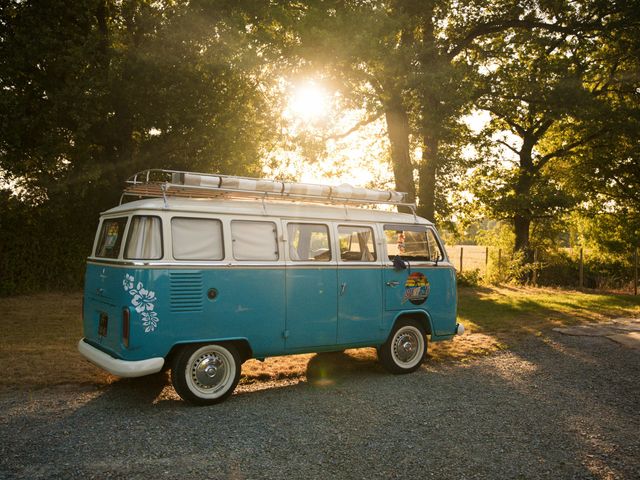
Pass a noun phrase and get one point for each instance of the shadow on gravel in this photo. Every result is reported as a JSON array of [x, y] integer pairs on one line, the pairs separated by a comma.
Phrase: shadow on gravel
[[135, 392], [326, 369], [323, 370]]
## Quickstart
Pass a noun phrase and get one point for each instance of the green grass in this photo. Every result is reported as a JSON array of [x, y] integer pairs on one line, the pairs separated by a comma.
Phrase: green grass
[[510, 310], [39, 333]]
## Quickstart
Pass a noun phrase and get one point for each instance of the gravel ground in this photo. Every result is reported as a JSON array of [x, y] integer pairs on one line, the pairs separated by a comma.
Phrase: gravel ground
[[553, 407]]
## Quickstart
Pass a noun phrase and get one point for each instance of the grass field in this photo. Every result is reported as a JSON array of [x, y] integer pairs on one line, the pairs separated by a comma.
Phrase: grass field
[[39, 333]]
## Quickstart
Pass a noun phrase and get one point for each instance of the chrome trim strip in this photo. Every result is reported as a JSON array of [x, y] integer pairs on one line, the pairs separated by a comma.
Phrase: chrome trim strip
[[258, 266]]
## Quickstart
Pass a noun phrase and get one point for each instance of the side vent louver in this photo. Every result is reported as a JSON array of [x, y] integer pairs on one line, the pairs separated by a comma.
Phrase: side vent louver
[[187, 292]]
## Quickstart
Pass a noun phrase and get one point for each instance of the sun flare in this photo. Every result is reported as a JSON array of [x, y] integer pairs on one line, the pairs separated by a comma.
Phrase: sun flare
[[309, 102]]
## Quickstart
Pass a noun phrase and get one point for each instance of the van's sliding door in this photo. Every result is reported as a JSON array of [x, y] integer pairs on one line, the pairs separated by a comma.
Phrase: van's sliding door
[[311, 286]]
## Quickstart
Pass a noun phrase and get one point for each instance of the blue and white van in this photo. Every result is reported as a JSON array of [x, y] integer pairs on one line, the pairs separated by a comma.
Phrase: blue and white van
[[201, 272]]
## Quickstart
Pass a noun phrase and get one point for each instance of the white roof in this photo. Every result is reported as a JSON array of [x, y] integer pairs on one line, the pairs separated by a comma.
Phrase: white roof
[[298, 210]]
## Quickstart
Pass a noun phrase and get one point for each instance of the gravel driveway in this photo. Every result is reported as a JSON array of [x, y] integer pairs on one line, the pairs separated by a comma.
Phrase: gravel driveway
[[554, 407]]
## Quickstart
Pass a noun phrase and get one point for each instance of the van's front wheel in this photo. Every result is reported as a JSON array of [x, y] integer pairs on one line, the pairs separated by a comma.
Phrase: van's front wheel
[[404, 350], [206, 374]]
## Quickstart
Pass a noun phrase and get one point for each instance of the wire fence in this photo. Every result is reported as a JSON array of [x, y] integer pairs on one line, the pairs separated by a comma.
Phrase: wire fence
[[564, 267]]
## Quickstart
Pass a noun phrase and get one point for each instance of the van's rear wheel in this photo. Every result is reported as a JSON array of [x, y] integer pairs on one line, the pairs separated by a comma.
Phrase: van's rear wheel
[[404, 350], [206, 374]]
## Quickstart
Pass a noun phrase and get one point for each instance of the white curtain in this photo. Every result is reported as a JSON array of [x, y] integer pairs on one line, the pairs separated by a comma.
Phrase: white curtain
[[196, 239], [254, 240], [307, 241], [145, 239]]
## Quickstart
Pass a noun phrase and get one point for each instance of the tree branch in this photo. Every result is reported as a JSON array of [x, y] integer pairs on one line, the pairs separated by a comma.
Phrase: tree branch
[[502, 142], [519, 129], [542, 129], [499, 26], [365, 121], [566, 150]]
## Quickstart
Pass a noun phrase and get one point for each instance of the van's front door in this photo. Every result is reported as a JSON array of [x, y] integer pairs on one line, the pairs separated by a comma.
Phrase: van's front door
[[420, 278], [311, 286]]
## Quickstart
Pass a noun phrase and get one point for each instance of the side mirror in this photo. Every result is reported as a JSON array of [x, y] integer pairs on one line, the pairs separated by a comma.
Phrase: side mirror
[[399, 264]]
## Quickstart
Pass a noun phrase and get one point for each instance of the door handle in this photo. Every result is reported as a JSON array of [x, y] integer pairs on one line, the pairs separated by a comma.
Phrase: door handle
[[393, 283], [343, 288]]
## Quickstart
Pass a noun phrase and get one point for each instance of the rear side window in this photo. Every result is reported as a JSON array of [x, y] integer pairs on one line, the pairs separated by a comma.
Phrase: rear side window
[[144, 241], [197, 239], [308, 242], [110, 238], [356, 244], [254, 240]]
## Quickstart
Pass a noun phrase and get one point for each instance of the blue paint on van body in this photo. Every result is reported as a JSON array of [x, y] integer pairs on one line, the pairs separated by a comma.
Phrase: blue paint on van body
[[277, 310]]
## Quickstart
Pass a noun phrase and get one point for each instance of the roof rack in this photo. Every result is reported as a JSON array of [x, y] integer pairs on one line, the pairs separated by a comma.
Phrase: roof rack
[[160, 183]]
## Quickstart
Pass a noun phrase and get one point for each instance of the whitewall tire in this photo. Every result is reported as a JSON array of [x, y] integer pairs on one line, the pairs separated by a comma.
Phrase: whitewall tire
[[206, 374], [404, 350]]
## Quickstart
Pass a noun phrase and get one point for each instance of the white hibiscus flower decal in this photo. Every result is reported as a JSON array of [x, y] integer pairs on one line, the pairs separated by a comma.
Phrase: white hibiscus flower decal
[[127, 283], [149, 321], [143, 301]]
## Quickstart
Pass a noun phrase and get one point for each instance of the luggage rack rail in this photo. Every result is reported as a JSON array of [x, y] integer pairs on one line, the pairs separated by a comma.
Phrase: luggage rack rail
[[160, 183]]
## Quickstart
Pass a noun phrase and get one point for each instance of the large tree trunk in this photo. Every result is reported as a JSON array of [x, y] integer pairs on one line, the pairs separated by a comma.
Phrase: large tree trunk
[[522, 225], [523, 214], [428, 175], [398, 132]]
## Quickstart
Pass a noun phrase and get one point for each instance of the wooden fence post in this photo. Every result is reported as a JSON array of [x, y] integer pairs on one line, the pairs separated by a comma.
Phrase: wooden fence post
[[535, 267], [486, 261], [635, 272], [581, 279], [461, 253]]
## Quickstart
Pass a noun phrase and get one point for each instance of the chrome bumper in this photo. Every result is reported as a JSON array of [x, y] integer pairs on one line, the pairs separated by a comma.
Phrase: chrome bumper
[[121, 368]]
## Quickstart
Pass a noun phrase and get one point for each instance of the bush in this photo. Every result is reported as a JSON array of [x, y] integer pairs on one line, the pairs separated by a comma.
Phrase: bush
[[599, 271], [469, 278]]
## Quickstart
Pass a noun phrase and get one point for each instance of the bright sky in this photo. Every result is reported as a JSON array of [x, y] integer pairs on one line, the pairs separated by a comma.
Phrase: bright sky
[[357, 158], [360, 158]]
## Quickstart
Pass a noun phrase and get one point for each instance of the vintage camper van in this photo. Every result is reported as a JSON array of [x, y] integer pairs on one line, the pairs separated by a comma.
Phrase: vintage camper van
[[199, 273]]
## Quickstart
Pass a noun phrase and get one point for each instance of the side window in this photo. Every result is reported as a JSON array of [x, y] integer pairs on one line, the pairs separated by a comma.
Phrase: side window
[[196, 239], [408, 244], [254, 240], [435, 253], [111, 237], [356, 244], [308, 242], [144, 241]]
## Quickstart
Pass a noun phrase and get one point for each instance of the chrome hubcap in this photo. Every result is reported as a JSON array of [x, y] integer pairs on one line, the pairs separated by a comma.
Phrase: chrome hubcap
[[405, 346], [208, 371]]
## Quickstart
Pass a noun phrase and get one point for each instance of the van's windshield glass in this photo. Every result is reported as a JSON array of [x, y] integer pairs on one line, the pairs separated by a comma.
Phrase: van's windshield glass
[[110, 238]]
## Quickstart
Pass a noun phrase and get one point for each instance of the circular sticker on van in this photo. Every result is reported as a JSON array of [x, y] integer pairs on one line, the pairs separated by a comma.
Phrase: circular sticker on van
[[416, 288]]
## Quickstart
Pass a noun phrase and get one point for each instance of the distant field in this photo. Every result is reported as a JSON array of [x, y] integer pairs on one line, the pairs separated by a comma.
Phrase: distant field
[[39, 333], [473, 257]]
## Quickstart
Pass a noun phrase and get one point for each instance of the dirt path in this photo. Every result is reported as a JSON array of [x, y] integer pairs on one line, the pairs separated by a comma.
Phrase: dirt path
[[554, 407]]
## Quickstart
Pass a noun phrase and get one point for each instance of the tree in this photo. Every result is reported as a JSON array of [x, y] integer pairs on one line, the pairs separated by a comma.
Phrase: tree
[[408, 60], [536, 87], [94, 91]]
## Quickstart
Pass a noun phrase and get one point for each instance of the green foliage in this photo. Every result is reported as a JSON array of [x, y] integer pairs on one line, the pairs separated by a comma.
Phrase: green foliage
[[93, 91], [600, 271], [469, 278]]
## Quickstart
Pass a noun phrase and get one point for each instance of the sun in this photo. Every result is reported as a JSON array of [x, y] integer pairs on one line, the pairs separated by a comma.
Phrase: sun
[[309, 101]]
